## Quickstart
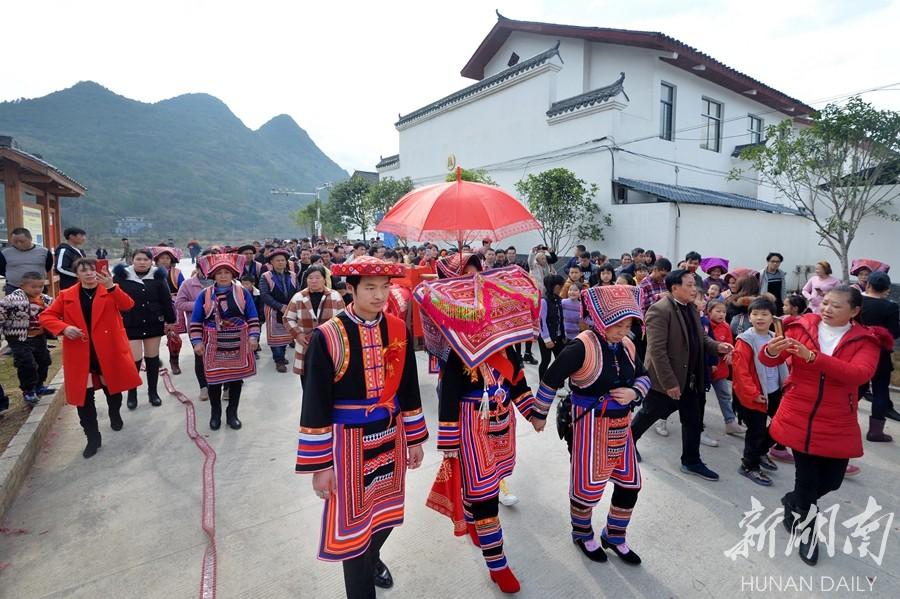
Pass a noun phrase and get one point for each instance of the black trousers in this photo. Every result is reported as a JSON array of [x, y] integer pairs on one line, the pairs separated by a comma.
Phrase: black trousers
[[757, 440], [199, 371], [658, 406], [359, 572], [548, 354], [234, 398], [814, 477], [881, 393], [32, 361]]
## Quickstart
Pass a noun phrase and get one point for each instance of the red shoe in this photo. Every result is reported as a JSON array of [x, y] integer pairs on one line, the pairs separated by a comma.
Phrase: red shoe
[[473, 534], [506, 580], [852, 470]]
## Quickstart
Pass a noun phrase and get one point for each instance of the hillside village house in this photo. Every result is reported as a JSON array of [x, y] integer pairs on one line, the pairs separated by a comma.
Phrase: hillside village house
[[654, 122]]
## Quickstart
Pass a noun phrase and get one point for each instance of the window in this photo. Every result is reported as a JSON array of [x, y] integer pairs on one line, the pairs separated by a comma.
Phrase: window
[[711, 133], [755, 128], [667, 112]]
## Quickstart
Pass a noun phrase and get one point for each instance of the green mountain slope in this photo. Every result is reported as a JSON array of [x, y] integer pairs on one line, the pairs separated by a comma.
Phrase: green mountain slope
[[186, 164]]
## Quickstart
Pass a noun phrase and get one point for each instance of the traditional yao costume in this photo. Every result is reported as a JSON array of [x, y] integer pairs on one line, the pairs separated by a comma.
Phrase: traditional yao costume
[[276, 290], [361, 411], [174, 281], [599, 437], [481, 316], [224, 320]]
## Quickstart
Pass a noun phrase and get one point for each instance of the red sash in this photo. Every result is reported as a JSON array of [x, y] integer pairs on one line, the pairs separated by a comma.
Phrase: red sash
[[500, 362], [394, 362]]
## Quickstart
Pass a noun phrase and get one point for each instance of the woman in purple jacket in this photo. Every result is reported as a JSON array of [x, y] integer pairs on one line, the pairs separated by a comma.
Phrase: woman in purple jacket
[[184, 308]]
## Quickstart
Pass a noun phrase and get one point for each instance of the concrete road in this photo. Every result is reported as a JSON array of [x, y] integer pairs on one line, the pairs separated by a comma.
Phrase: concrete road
[[126, 523]]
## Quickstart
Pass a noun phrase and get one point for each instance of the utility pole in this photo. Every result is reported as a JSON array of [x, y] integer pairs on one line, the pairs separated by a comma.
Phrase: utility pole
[[318, 189]]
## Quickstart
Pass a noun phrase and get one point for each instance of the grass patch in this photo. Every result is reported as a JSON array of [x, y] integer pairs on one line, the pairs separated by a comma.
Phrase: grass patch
[[13, 418]]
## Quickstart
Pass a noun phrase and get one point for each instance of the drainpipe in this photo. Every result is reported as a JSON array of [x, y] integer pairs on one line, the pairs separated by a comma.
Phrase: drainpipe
[[677, 232]]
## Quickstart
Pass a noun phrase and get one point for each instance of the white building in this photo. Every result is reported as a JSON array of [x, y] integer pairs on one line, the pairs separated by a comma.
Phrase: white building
[[654, 122]]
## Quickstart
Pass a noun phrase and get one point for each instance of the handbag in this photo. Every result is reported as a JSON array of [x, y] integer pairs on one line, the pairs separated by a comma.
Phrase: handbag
[[564, 422]]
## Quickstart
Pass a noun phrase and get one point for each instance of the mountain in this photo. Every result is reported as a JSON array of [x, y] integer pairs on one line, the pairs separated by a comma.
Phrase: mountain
[[186, 164]]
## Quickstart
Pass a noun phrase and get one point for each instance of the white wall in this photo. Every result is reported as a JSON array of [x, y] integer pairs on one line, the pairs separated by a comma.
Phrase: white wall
[[511, 123]]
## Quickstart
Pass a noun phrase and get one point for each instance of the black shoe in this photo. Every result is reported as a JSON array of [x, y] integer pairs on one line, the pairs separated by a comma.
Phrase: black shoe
[[529, 359], [893, 414], [215, 423], [789, 517], [233, 422], [383, 578], [174, 367], [155, 400], [115, 420], [629, 558], [93, 444], [132, 399], [598, 555], [809, 547]]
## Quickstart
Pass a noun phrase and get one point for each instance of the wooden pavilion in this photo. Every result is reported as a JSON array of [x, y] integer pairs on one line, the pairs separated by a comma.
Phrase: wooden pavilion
[[33, 189]]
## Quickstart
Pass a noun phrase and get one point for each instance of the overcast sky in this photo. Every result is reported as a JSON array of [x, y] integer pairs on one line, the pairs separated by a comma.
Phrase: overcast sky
[[344, 70]]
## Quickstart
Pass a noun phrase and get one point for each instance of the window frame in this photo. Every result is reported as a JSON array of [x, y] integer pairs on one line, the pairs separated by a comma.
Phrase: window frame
[[671, 106], [707, 118], [756, 136]]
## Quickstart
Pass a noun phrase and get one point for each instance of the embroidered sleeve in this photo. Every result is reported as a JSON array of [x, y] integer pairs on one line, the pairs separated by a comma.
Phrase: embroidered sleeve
[[196, 331], [314, 450], [448, 436], [410, 400], [315, 444], [524, 400], [570, 359], [414, 427], [251, 315]]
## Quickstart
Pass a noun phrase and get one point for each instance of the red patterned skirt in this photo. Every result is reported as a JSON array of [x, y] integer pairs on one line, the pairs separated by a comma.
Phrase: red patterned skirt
[[370, 468], [487, 447], [602, 450]]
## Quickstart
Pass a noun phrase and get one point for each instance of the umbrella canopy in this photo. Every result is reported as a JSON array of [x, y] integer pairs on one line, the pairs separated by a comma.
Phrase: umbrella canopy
[[459, 210]]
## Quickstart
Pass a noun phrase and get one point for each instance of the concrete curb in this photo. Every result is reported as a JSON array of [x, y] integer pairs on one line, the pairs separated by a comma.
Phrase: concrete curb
[[18, 457]]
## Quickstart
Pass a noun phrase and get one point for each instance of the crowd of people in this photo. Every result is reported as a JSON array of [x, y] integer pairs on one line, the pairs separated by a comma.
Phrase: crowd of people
[[638, 334]]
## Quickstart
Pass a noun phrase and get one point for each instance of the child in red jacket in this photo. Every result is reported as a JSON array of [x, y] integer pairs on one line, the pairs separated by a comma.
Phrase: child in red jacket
[[758, 390], [721, 332]]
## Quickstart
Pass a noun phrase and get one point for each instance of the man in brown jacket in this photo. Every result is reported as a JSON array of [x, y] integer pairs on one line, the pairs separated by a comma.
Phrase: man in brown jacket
[[676, 349]]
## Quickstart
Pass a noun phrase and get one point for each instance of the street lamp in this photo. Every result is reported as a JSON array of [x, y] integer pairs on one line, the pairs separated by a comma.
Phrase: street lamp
[[318, 189]]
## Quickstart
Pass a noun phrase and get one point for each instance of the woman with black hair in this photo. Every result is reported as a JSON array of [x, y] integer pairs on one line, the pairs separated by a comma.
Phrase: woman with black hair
[[831, 355], [553, 334], [152, 316]]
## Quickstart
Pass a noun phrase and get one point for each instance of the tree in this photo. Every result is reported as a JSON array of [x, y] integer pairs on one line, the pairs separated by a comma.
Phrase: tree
[[837, 171], [474, 176], [348, 205], [306, 219], [564, 206], [384, 194]]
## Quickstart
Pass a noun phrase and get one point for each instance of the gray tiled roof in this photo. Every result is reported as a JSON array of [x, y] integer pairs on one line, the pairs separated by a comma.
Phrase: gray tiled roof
[[596, 96], [521, 67], [388, 161], [707, 197]]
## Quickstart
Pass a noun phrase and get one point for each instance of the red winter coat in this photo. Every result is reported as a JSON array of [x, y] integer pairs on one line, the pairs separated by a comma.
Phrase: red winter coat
[[108, 333], [817, 414]]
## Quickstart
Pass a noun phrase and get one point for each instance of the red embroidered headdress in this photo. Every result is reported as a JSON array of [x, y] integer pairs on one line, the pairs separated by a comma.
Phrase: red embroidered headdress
[[454, 265], [872, 265], [159, 250], [210, 263], [368, 266]]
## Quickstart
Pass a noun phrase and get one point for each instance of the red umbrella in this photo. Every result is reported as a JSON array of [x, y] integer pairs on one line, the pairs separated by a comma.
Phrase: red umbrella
[[459, 210]]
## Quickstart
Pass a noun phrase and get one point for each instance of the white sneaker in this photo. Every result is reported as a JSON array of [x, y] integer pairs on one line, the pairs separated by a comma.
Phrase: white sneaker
[[708, 441], [733, 428], [507, 498], [204, 394], [661, 428]]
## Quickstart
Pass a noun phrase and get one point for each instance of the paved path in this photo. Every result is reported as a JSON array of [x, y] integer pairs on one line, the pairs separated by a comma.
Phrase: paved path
[[126, 523]]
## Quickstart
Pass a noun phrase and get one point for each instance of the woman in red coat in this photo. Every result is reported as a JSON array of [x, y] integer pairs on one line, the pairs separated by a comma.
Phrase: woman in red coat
[[96, 353], [831, 355]]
